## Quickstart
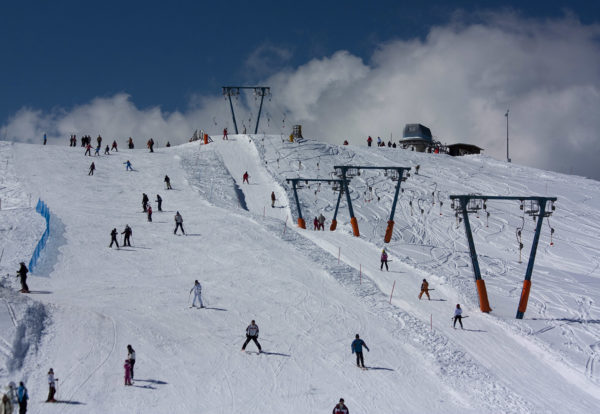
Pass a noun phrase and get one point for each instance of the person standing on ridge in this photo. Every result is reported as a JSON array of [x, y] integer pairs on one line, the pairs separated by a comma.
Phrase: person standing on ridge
[[23, 397], [45, 139], [252, 334], [384, 260], [131, 358], [356, 346], [114, 146], [340, 408], [107, 150], [178, 223], [273, 199], [197, 289], [159, 201], [225, 134], [369, 141], [424, 289], [130, 143], [168, 182], [51, 386], [245, 178], [458, 316], [22, 273], [127, 232], [113, 238]]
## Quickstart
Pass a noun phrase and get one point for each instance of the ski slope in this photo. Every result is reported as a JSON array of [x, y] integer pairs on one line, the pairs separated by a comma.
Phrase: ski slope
[[309, 292]]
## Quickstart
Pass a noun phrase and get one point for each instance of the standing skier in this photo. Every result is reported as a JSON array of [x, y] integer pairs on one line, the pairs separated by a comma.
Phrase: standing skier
[[114, 146], [22, 273], [245, 178], [88, 150], [149, 211], [145, 200], [178, 223], [168, 182], [51, 386], [197, 289], [23, 397], [424, 289], [127, 367], [159, 201], [369, 141], [273, 199], [130, 143], [321, 222], [225, 134], [252, 334], [384, 260], [356, 346], [340, 408], [127, 234], [128, 166], [131, 358], [92, 168], [113, 238], [458, 316]]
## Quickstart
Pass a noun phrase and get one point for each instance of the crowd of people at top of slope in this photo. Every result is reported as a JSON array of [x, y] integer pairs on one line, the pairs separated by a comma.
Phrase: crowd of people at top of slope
[[86, 142], [390, 144]]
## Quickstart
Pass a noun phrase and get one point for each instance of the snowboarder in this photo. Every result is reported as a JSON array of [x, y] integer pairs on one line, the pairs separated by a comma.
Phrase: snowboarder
[[356, 346], [252, 334], [340, 408], [131, 358], [6, 406], [23, 397], [88, 150], [128, 166], [273, 199], [127, 367], [225, 134], [127, 232], [114, 146], [245, 178], [458, 316], [51, 386], [369, 141], [92, 169], [178, 223], [424, 289], [145, 200], [22, 273], [168, 182], [159, 201], [384, 260], [113, 238], [130, 143], [321, 222], [149, 211], [197, 289]]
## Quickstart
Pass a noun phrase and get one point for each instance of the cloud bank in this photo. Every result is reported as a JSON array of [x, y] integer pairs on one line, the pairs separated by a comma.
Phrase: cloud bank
[[459, 81]]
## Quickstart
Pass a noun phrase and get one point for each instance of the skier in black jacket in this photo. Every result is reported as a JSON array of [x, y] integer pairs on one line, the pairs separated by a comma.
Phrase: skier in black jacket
[[127, 232], [145, 200], [159, 201], [113, 238], [22, 273]]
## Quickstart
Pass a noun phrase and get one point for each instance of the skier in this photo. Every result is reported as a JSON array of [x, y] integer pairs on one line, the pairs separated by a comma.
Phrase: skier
[[145, 200], [356, 346], [149, 211], [369, 141], [178, 223], [130, 143], [22, 273], [6, 406], [23, 397], [150, 145], [113, 238], [97, 151], [225, 134], [131, 357], [127, 367], [379, 141], [424, 289], [273, 199], [245, 178], [114, 146], [11, 393], [51, 386], [389, 144], [322, 222], [384, 260], [159, 201], [99, 140], [127, 232], [458, 316], [128, 166], [88, 150], [45, 139], [252, 334], [107, 150], [197, 289], [92, 169], [340, 408], [168, 182], [316, 224]]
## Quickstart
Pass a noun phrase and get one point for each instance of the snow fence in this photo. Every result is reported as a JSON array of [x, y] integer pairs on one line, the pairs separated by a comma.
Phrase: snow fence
[[43, 209]]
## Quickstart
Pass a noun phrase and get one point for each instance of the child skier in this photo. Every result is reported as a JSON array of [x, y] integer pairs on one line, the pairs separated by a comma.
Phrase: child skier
[[356, 346], [92, 169], [127, 367], [197, 289]]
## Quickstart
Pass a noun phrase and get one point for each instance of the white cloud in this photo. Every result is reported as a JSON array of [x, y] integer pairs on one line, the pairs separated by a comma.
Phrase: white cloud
[[459, 80]]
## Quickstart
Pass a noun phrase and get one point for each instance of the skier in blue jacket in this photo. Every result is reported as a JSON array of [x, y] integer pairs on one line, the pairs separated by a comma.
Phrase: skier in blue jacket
[[197, 289], [356, 346]]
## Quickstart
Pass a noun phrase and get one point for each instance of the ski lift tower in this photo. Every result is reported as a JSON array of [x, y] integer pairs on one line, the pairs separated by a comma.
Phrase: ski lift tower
[[473, 203], [261, 91], [297, 183]]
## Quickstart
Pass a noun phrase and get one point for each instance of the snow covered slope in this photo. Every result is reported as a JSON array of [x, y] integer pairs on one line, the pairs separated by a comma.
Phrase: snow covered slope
[[254, 263]]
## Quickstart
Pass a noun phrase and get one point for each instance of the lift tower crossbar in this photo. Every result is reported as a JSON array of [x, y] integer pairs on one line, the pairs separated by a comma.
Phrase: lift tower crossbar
[[261, 91], [466, 206], [397, 174], [297, 183]]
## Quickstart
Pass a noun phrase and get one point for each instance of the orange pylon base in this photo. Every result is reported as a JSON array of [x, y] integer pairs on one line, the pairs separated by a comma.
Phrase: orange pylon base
[[333, 225], [354, 223], [484, 305], [524, 296], [301, 223], [388, 231]]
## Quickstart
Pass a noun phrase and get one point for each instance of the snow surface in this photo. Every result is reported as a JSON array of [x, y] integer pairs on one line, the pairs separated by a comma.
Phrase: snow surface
[[310, 292]]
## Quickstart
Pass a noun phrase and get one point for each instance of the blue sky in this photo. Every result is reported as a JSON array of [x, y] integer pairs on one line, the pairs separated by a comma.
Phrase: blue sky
[[156, 68]]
